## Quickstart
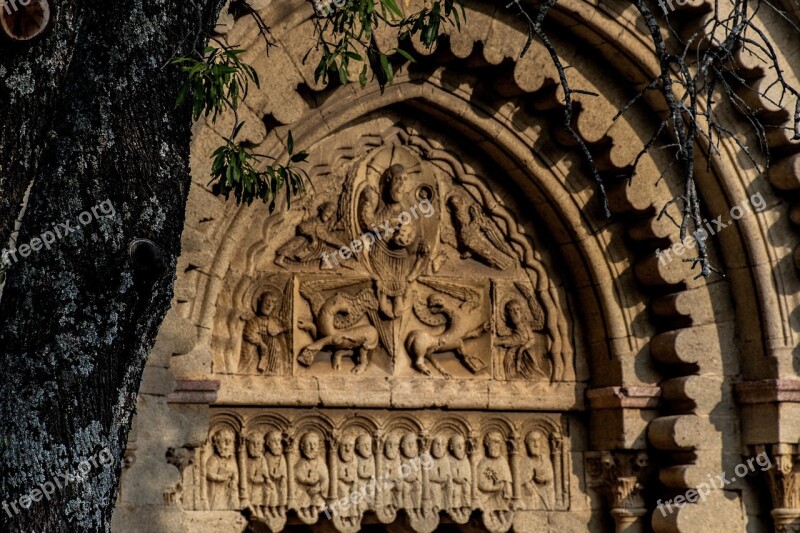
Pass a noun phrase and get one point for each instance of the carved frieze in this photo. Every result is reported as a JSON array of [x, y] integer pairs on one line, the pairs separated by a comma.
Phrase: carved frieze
[[338, 464]]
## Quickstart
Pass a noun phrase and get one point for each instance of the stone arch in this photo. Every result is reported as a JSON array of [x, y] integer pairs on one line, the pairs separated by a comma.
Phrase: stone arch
[[647, 329]]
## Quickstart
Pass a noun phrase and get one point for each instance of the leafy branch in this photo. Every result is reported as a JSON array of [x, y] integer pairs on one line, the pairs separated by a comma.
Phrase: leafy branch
[[234, 170], [217, 82], [347, 34]]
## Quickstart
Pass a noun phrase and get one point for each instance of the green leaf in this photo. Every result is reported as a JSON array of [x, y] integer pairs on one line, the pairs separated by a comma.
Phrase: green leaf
[[405, 54], [290, 143]]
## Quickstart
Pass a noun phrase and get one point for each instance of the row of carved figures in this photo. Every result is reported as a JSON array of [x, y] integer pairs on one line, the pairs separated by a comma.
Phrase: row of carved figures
[[342, 474]]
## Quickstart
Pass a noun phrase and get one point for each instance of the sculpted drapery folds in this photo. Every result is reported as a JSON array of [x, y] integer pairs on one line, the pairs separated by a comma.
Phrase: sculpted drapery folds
[[222, 472]]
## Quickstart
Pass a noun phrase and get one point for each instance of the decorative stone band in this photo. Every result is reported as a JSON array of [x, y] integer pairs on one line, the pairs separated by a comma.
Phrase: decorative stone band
[[269, 462], [612, 422], [770, 410], [768, 390], [194, 392], [624, 397]]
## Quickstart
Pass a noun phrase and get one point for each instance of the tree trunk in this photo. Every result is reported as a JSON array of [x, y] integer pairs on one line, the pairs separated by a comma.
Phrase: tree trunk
[[88, 116]]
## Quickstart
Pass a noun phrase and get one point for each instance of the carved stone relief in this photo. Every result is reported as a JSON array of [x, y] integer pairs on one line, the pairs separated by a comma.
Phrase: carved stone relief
[[415, 270], [339, 464], [264, 339]]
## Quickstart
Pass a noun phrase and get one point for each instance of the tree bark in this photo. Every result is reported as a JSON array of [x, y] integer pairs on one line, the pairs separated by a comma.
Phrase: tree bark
[[88, 115]]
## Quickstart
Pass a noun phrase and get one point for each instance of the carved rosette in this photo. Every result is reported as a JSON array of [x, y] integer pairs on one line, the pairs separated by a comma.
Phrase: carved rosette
[[620, 476], [331, 465]]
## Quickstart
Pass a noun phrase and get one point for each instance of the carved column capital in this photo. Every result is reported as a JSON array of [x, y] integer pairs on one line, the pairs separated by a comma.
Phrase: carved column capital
[[620, 476], [783, 479]]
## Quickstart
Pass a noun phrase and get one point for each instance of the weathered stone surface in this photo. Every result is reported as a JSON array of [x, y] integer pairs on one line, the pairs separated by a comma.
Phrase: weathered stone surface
[[514, 301]]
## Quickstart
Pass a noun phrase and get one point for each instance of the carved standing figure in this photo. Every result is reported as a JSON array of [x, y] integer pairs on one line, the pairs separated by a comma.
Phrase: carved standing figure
[[423, 345], [262, 352], [410, 475], [347, 476], [461, 476], [391, 487], [222, 472], [494, 475], [439, 476], [311, 477], [277, 474], [401, 254], [526, 348], [336, 329], [538, 486], [314, 236], [257, 472], [366, 470]]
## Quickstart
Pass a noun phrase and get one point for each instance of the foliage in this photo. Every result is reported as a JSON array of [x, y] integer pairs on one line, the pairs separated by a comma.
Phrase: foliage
[[347, 34], [217, 81], [234, 170]]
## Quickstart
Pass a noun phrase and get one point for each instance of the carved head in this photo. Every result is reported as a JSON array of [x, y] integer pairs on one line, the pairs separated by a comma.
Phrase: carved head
[[493, 443], [458, 446], [438, 447], [223, 441], [268, 303], [391, 447], [309, 445], [458, 204], [346, 448], [410, 446], [255, 444], [364, 446], [436, 303], [274, 442], [536, 441], [405, 236], [393, 183], [326, 211], [515, 314]]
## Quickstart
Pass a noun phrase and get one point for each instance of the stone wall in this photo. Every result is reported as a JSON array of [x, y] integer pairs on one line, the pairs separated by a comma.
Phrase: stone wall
[[504, 329]]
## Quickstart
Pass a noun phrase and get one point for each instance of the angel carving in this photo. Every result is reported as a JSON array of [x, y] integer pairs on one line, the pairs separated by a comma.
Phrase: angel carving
[[336, 318], [475, 236], [527, 349], [437, 311], [314, 237], [262, 352]]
